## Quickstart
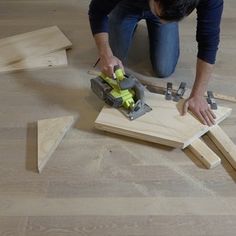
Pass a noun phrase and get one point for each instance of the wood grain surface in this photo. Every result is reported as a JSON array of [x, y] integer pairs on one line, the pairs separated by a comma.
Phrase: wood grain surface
[[58, 58], [50, 133]]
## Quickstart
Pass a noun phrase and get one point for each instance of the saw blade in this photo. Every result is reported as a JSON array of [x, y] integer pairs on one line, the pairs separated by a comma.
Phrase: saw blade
[[132, 115]]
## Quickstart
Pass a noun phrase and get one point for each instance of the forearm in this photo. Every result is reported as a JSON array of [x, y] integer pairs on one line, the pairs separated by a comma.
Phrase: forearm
[[196, 103], [107, 60], [103, 46], [203, 75]]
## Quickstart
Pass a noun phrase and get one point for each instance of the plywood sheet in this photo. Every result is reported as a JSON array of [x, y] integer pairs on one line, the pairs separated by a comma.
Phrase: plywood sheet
[[58, 58], [19, 47], [163, 125], [50, 134]]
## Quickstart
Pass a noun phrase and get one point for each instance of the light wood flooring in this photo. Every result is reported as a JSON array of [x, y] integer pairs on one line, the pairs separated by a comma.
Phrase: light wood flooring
[[97, 183]]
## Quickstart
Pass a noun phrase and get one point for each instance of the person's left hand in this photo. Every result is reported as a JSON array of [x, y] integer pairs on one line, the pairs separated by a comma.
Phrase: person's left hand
[[200, 108]]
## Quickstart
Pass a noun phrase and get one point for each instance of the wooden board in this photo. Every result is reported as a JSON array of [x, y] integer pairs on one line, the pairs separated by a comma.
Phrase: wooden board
[[58, 58], [50, 134], [224, 143], [19, 47], [163, 125]]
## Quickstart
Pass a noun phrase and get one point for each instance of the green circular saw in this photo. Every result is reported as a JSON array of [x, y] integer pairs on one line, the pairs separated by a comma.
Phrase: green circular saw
[[121, 91]]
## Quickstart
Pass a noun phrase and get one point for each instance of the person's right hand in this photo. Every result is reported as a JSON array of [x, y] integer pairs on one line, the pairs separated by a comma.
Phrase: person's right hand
[[107, 64], [200, 108]]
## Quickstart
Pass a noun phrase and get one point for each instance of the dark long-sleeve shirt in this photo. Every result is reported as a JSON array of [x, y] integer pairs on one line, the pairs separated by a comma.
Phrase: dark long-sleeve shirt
[[208, 24]]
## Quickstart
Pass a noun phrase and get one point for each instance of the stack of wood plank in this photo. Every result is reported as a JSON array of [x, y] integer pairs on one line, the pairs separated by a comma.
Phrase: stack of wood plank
[[37, 49]]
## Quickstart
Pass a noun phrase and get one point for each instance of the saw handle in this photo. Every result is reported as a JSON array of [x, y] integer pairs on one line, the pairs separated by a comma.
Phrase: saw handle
[[133, 83], [139, 91], [127, 83], [118, 73]]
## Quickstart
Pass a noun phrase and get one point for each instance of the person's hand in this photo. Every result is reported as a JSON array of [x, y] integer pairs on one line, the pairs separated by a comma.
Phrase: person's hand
[[200, 108], [107, 64]]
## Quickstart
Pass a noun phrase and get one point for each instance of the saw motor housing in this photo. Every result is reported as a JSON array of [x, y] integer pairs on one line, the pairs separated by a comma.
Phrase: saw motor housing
[[122, 91]]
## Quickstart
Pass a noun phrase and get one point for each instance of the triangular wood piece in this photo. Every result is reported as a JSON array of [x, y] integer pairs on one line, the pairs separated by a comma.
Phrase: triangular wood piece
[[50, 134]]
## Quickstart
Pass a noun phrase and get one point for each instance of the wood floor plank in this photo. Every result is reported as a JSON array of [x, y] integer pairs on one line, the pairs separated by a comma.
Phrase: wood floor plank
[[132, 225], [15, 226], [207, 206]]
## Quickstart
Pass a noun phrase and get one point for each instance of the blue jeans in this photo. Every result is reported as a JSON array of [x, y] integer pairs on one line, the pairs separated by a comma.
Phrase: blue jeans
[[163, 38]]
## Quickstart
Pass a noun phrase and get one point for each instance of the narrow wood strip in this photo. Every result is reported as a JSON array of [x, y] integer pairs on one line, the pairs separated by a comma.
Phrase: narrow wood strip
[[224, 143], [204, 154]]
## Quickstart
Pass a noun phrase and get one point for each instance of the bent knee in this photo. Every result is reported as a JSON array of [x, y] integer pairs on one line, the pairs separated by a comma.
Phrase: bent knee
[[163, 72]]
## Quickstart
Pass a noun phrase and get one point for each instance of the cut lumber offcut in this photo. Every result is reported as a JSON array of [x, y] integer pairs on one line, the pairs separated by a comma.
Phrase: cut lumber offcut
[[224, 144], [204, 154], [58, 58], [50, 134], [20, 47], [164, 124]]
